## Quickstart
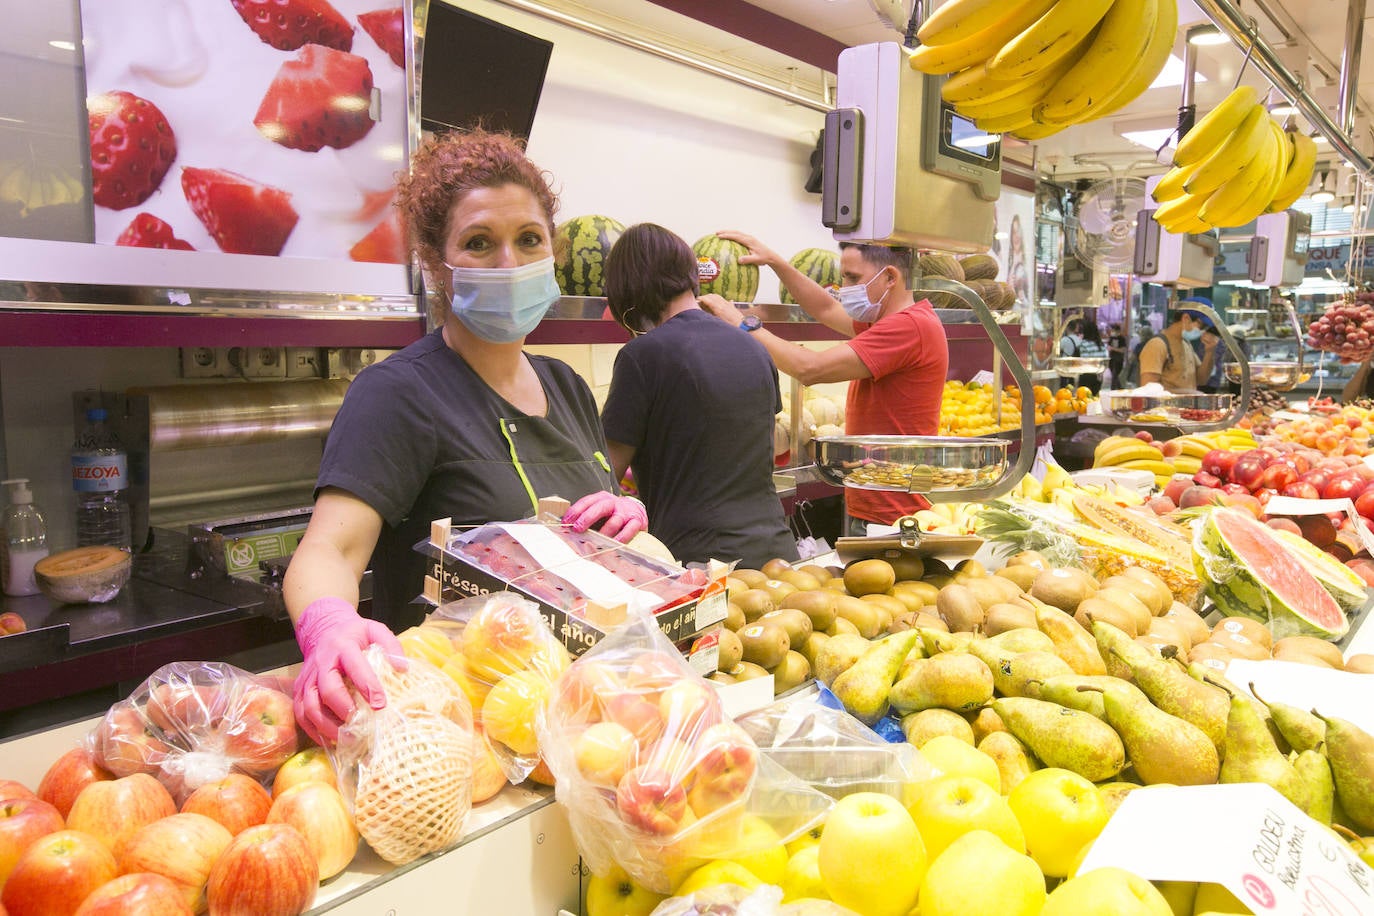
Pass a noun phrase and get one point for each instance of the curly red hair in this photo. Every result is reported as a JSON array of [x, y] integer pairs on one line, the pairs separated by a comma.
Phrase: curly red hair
[[445, 168]]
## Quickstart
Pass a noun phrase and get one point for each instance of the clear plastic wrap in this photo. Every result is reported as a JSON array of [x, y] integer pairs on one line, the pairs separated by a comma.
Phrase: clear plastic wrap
[[655, 777], [734, 900], [406, 769], [192, 723], [505, 660], [834, 752]]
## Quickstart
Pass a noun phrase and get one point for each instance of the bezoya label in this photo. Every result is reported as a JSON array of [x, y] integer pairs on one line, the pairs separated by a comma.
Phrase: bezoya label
[[99, 473]]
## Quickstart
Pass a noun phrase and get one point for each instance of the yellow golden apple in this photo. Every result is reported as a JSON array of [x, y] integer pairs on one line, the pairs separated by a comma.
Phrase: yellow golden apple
[[811, 837], [604, 751], [509, 711], [978, 873], [720, 871], [871, 856], [426, 643], [951, 806], [760, 850], [1060, 813], [953, 757], [802, 876], [1106, 892], [488, 779], [475, 689], [614, 894]]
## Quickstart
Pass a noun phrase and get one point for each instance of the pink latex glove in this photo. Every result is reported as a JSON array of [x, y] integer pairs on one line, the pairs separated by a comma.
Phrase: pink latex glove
[[624, 516], [332, 636]]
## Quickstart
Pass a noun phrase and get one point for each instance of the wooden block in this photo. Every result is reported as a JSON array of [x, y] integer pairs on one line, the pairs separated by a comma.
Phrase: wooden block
[[556, 506], [439, 531], [604, 618], [432, 591]]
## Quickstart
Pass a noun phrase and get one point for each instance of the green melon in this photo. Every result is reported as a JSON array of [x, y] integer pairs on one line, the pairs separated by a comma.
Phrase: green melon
[[719, 270], [1248, 572], [581, 248], [820, 265]]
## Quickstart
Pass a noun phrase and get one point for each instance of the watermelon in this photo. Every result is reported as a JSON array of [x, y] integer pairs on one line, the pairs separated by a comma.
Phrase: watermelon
[[820, 265], [719, 270], [1248, 572], [1340, 580], [581, 245]]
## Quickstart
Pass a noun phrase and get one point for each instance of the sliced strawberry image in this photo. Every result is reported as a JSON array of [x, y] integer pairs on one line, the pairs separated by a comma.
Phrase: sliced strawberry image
[[243, 216], [322, 98], [147, 231], [383, 245], [387, 28], [288, 24], [132, 147]]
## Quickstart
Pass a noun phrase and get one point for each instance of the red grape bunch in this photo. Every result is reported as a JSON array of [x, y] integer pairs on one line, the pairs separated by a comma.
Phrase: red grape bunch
[[1346, 329]]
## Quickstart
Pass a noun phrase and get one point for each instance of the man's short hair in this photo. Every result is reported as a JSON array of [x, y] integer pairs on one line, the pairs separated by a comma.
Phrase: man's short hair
[[881, 256]]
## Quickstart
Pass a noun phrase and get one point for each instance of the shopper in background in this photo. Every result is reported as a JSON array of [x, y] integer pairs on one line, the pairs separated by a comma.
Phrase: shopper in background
[[1169, 357], [691, 408], [1090, 347], [1070, 343], [895, 360], [1116, 353], [462, 423]]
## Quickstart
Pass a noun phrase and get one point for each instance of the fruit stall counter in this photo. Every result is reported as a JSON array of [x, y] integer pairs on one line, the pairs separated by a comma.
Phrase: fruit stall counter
[[516, 857]]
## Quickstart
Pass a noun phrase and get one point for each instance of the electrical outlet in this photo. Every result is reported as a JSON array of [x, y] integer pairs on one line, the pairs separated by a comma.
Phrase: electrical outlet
[[259, 362], [302, 362], [204, 362]]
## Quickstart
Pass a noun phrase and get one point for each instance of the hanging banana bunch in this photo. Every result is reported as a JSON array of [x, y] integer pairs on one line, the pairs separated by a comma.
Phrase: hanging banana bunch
[[33, 184], [1030, 68], [1236, 164]]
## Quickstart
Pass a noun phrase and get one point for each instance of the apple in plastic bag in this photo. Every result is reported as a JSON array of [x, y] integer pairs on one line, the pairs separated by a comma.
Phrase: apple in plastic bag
[[125, 744], [652, 800], [604, 752], [726, 763], [260, 733]]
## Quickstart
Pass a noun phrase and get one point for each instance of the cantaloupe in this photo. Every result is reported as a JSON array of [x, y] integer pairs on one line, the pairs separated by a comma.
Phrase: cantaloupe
[[84, 575]]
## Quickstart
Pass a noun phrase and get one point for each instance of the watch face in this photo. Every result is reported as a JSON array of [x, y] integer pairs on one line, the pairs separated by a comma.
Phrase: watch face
[[751, 323]]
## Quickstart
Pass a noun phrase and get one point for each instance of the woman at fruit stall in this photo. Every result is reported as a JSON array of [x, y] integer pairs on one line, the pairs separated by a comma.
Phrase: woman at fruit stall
[[691, 409], [1169, 358], [461, 424]]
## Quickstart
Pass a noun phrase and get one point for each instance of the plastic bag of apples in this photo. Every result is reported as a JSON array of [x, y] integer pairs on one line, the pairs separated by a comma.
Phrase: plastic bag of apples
[[192, 723], [505, 659], [656, 778], [734, 900]]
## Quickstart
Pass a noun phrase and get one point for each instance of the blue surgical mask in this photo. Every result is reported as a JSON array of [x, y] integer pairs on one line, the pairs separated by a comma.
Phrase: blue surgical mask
[[503, 304], [854, 301], [1192, 334]]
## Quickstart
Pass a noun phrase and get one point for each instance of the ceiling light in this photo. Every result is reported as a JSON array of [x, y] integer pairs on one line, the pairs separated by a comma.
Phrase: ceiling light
[[1283, 110], [1322, 195], [1206, 35], [62, 45], [1319, 138], [1172, 74], [1151, 139], [1349, 206]]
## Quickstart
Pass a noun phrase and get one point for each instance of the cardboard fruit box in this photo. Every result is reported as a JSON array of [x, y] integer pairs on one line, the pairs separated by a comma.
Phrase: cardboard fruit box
[[583, 583]]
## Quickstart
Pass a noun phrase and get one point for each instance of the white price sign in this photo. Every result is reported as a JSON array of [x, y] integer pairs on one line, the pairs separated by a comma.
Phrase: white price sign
[[1246, 836]]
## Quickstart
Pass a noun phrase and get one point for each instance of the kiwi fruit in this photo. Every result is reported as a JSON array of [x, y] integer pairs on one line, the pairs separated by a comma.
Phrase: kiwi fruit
[[791, 672], [1305, 658], [813, 645], [1241, 645], [1023, 576], [1127, 602], [818, 604], [910, 600], [929, 619], [893, 606], [862, 614], [1252, 630], [731, 650], [867, 577], [778, 589], [907, 566], [902, 622], [835, 584], [1213, 655], [1360, 663], [819, 573], [1090, 609], [720, 677], [838, 655], [1161, 647], [1170, 631], [1003, 617], [923, 590], [802, 581], [970, 567], [1311, 645], [840, 626], [1192, 623], [755, 603], [734, 587], [1162, 590], [750, 577], [1061, 588], [796, 623], [938, 580], [775, 567], [959, 608], [1031, 558], [920, 727], [1142, 590], [734, 616], [764, 644], [747, 671]]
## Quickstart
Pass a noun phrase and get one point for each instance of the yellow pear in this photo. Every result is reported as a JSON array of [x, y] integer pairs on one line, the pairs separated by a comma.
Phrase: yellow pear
[[978, 873], [1106, 892], [872, 858], [951, 806], [614, 894], [802, 877], [720, 871]]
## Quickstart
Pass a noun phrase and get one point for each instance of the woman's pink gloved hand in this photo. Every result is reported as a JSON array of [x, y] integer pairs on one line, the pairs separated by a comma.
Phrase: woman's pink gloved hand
[[332, 636], [624, 516]]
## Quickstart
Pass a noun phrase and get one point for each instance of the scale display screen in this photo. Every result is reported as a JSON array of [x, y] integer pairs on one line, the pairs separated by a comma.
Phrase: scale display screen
[[963, 139]]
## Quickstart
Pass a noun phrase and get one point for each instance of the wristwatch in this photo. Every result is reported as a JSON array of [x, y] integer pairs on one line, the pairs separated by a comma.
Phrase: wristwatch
[[751, 323]]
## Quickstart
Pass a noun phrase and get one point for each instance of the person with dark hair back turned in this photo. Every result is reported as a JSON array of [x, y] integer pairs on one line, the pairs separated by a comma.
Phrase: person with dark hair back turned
[[896, 357], [691, 409]]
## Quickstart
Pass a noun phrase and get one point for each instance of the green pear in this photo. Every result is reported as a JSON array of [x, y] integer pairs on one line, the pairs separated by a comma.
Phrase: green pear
[[913, 658], [1252, 756], [1063, 690], [838, 655], [1066, 738], [1302, 730], [1170, 688], [864, 686], [1314, 776], [1018, 674], [1014, 760], [1021, 639], [1350, 751], [1118, 649], [937, 642], [1162, 748], [957, 681]]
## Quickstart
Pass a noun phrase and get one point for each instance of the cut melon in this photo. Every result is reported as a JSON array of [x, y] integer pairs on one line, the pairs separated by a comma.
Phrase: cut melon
[[1248, 572], [1340, 580], [84, 575]]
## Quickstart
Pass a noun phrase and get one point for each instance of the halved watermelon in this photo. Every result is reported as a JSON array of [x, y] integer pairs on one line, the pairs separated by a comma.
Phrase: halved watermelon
[[1248, 572], [1340, 580]]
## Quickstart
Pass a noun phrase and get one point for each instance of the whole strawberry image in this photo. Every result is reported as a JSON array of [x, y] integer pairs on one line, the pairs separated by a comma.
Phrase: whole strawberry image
[[132, 147], [243, 216], [288, 24], [321, 98]]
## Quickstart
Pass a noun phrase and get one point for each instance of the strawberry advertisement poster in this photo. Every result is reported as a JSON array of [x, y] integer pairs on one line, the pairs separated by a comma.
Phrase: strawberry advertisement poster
[[247, 127]]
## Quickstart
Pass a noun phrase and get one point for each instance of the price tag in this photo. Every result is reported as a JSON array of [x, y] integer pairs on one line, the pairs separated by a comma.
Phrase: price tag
[[1246, 836]]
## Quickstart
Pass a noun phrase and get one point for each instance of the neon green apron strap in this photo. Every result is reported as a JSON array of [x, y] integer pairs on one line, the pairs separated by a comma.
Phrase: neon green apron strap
[[520, 471], [605, 465]]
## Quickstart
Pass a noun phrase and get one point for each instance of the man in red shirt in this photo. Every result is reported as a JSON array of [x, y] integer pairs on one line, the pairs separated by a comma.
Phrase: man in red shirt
[[895, 360]]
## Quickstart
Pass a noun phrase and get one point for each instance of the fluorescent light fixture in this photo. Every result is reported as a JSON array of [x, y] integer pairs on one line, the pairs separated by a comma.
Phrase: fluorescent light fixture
[[1151, 139], [1319, 138], [1206, 35], [977, 141], [62, 45], [1348, 207], [1283, 110], [1001, 236], [1172, 74], [1322, 196]]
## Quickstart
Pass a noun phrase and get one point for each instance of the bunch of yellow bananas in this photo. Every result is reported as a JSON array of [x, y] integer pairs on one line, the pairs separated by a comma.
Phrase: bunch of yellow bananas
[[1234, 165], [1030, 68], [33, 184], [1130, 452], [1185, 453]]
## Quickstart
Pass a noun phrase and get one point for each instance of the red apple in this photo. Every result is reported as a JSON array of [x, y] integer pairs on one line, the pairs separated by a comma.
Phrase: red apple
[[1301, 489], [1364, 504], [1284, 524], [318, 811], [641, 717], [1264, 494], [11, 623], [56, 873], [652, 672], [267, 870], [180, 707], [1248, 469], [126, 744], [1343, 485], [1220, 462], [112, 809], [237, 802], [652, 801], [10, 788], [1277, 476], [139, 894], [309, 765], [1234, 489], [68, 775], [24, 821], [1203, 479], [726, 762], [260, 732], [580, 694], [183, 847]]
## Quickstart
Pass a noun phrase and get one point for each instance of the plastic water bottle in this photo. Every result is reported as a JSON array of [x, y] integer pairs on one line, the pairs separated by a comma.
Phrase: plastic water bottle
[[24, 543], [100, 477]]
